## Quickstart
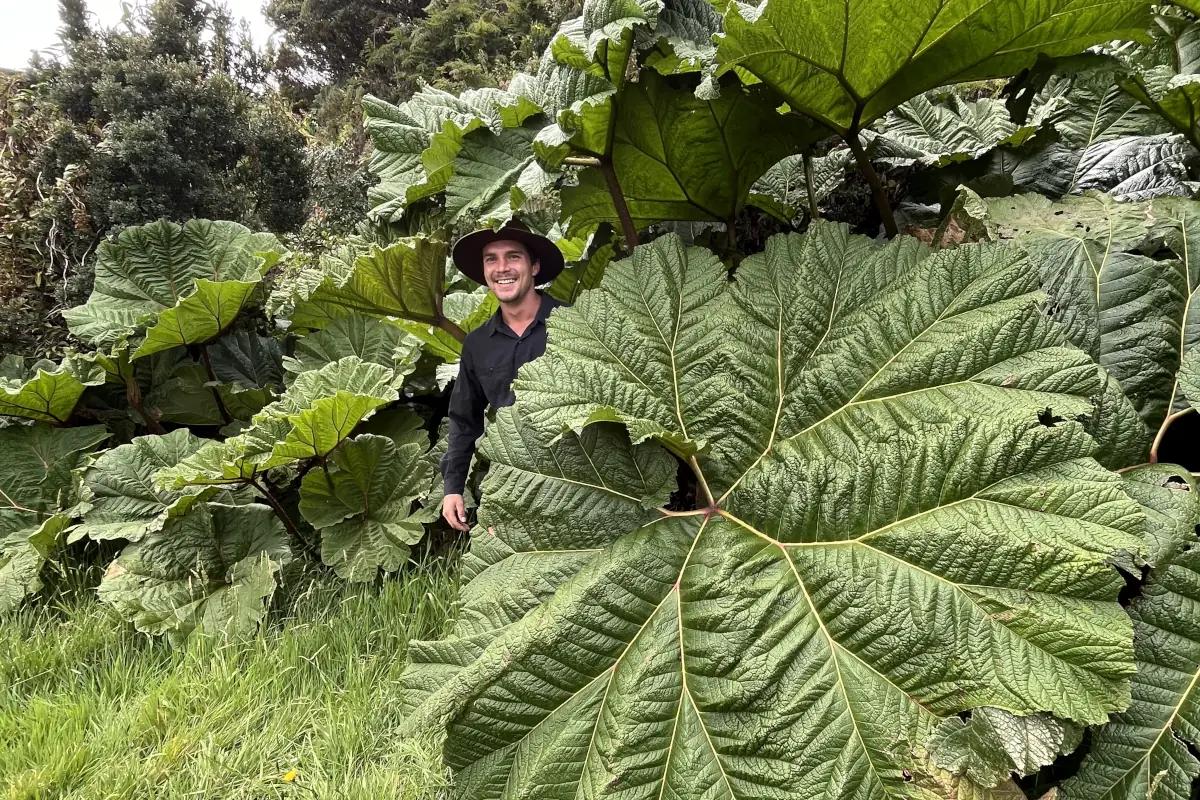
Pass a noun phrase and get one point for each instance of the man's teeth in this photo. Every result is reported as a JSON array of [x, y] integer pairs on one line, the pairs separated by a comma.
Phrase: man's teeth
[[506, 280]]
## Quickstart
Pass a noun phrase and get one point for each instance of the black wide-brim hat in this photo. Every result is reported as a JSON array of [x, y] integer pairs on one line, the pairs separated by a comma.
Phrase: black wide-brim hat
[[468, 251]]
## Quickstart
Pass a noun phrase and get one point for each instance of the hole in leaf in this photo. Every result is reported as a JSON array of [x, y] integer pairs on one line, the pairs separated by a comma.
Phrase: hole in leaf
[[1176, 482], [1134, 584], [1040, 782], [1179, 446], [1047, 417], [684, 497]]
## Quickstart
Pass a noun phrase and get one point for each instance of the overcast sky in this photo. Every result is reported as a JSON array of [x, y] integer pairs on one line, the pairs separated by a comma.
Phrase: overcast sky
[[28, 25]]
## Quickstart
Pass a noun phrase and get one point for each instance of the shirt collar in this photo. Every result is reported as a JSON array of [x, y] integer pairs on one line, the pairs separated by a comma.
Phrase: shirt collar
[[548, 304]]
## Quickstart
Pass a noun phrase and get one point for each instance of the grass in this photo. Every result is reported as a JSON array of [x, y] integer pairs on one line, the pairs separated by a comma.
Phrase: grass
[[307, 709]]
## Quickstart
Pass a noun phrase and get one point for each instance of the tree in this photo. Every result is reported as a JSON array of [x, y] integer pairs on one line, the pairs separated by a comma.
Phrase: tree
[[165, 119]]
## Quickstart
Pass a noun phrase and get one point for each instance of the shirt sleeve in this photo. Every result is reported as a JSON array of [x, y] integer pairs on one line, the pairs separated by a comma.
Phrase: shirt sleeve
[[467, 405]]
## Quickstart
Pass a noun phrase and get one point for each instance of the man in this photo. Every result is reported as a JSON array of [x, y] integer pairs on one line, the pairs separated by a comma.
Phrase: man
[[508, 261]]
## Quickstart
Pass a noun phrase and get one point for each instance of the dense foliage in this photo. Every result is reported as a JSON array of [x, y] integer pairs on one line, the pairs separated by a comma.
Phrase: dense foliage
[[788, 508]]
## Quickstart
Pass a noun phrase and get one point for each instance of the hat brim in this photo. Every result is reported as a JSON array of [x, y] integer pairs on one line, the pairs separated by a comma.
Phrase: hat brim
[[468, 252]]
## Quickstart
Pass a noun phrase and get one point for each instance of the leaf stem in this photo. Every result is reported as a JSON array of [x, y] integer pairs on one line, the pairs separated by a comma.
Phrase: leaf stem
[[668, 513], [877, 192], [813, 211], [708, 495], [133, 396], [452, 328], [212, 376], [276, 506], [15, 505], [1162, 432], [618, 198]]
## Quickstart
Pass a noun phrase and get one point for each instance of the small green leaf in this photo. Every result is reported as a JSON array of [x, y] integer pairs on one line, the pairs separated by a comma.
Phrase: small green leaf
[[994, 743]]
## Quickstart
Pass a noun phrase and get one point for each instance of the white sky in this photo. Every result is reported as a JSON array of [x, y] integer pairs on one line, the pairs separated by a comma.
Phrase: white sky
[[28, 25]]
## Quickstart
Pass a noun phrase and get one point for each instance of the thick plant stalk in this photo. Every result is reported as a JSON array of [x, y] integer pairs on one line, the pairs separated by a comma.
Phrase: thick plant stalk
[[873, 180], [452, 328], [263, 489], [133, 396], [614, 188]]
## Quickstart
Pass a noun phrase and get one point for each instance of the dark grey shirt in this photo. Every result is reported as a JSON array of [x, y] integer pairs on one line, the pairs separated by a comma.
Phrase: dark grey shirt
[[491, 356]]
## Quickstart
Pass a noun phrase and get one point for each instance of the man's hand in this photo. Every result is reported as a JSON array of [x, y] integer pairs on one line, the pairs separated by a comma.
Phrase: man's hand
[[455, 512]]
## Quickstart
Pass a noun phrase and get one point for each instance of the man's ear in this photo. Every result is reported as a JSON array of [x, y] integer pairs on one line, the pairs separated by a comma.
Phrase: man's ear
[[537, 266]]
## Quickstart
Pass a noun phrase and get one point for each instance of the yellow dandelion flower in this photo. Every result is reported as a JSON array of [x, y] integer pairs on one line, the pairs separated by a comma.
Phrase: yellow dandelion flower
[[290, 776]]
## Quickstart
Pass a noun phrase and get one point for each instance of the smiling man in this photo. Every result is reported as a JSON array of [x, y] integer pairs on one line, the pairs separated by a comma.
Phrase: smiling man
[[509, 261]]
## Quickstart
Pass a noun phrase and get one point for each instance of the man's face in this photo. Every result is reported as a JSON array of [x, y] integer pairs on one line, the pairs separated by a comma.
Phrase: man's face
[[508, 271]]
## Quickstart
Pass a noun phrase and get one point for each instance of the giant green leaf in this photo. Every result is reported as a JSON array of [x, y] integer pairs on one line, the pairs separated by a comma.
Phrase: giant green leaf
[[247, 360], [47, 392], [678, 157], [124, 502], [416, 142], [540, 500], [212, 570], [846, 65], [1189, 378], [38, 473], [896, 519], [39, 490], [1104, 137], [316, 413], [363, 505], [783, 189], [1178, 223], [1165, 75], [927, 132], [585, 67], [1148, 750], [1138, 316], [181, 284], [403, 279], [494, 176], [1114, 301], [373, 340], [188, 397]]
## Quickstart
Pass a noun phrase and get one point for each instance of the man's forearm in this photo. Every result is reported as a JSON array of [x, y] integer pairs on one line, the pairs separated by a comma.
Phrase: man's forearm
[[456, 463]]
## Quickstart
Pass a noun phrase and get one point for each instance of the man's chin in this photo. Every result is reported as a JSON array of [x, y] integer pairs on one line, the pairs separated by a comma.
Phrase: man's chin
[[508, 294]]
